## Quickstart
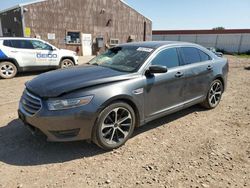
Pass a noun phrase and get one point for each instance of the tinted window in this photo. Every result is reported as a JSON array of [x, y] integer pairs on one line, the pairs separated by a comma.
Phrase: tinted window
[[7, 43], [204, 56], [38, 45], [24, 44], [190, 55], [168, 58]]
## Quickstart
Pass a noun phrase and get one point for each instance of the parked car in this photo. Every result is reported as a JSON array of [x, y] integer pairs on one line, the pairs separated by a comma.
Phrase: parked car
[[28, 54], [121, 89], [214, 50]]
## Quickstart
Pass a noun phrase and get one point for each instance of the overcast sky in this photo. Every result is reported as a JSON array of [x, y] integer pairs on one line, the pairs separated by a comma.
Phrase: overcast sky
[[186, 14]]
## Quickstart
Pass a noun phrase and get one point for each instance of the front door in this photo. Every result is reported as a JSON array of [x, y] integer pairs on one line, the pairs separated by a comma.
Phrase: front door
[[86, 44], [163, 92], [45, 54]]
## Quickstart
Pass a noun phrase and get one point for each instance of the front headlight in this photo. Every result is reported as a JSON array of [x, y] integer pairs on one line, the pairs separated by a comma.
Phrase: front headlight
[[68, 103]]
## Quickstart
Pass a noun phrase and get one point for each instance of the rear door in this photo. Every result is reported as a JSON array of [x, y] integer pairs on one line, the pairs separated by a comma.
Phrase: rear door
[[198, 73], [24, 52], [163, 91]]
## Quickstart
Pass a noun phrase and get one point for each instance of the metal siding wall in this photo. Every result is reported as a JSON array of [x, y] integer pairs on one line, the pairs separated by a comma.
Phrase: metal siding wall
[[245, 44], [228, 42], [207, 40], [158, 37], [188, 38], [172, 37]]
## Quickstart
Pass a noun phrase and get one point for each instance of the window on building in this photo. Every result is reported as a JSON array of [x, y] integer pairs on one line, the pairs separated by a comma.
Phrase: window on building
[[168, 58], [73, 37], [191, 55]]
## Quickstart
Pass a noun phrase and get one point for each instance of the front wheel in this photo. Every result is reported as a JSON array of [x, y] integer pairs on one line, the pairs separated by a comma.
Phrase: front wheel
[[7, 70], [66, 63], [114, 126], [214, 95]]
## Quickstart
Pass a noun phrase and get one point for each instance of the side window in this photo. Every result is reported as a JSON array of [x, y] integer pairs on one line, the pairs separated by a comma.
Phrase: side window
[[7, 43], [204, 56], [22, 44], [168, 58], [38, 45], [190, 55]]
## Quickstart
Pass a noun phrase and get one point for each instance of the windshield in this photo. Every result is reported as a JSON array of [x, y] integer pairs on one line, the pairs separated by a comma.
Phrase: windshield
[[124, 58]]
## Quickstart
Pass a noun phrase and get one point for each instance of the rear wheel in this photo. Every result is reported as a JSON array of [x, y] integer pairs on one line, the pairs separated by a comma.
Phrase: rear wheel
[[114, 126], [7, 70], [66, 63], [214, 95]]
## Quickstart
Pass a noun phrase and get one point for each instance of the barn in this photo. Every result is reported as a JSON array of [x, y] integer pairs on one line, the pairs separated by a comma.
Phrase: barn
[[87, 26]]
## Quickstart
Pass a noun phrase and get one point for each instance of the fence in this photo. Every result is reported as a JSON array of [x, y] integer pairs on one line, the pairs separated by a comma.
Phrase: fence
[[234, 43]]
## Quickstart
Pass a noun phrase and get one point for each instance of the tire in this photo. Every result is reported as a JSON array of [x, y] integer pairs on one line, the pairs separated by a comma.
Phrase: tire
[[66, 63], [114, 126], [214, 95], [8, 70]]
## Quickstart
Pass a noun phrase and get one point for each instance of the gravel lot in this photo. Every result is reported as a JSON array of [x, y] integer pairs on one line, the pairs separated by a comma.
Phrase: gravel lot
[[191, 148]]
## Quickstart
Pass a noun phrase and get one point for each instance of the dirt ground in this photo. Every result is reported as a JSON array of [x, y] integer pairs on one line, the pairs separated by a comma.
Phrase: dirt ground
[[191, 148]]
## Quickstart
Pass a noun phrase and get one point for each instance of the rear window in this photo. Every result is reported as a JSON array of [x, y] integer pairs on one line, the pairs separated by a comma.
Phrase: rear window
[[204, 56], [23, 44], [7, 43]]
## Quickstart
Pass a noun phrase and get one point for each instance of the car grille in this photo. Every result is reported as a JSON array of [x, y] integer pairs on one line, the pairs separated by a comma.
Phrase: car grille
[[30, 103]]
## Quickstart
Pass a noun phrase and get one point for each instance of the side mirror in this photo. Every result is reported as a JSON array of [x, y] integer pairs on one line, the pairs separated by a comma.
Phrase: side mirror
[[154, 69]]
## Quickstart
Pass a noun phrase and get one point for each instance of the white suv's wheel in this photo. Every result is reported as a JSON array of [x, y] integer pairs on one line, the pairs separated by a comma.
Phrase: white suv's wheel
[[66, 63], [7, 70]]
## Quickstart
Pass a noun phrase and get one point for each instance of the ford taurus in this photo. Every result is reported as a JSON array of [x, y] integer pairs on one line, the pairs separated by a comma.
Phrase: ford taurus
[[125, 87]]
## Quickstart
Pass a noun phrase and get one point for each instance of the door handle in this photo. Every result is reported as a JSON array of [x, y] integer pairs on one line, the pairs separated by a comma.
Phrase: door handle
[[179, 74], [210, 67]]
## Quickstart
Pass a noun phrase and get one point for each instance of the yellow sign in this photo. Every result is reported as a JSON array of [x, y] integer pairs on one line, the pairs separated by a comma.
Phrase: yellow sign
[[27, 32]]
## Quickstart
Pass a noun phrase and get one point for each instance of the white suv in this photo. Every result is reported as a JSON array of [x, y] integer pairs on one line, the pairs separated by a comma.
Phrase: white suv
[[28, 54]]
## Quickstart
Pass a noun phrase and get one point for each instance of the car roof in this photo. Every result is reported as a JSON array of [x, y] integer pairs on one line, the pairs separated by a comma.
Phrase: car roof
[[155, 44]]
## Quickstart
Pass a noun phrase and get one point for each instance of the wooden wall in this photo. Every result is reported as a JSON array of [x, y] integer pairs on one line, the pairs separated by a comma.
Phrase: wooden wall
[[86, 16]]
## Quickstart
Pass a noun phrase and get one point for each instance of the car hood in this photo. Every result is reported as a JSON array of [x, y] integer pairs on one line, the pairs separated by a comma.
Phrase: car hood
[[56, 83], [67, 52]]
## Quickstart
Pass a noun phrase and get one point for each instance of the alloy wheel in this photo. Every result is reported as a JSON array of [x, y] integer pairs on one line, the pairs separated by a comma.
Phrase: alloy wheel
[[116, 126], [67, 63], [215, 94], [7, 70]]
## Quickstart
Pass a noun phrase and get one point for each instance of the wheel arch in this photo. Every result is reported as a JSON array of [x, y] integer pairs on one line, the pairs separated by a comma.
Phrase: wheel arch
[[68, 57], [126, 99], [220, 77], [12, 61]]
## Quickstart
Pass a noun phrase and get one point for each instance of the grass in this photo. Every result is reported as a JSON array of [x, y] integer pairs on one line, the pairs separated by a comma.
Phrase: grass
[[242, 55]]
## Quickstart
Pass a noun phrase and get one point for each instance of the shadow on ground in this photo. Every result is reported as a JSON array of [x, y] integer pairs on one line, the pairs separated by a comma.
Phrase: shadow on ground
[[247, 68], [18, 147]]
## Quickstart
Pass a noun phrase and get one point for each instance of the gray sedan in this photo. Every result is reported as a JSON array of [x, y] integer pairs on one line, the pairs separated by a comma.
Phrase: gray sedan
[[121, 89]]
